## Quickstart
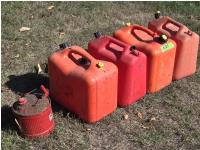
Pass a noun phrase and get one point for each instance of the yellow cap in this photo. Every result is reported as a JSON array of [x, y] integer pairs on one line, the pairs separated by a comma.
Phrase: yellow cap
[[164, 37], [100, 65], [128, 24]]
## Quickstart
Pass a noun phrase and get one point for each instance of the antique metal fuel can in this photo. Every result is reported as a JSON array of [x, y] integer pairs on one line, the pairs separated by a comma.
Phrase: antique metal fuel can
[[33, 114]]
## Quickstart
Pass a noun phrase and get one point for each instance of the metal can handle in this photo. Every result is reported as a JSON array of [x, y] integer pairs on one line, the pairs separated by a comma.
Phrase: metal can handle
[[46, 92]]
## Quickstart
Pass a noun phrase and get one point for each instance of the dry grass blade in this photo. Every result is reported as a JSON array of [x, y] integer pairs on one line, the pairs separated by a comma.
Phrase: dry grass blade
[[39, 69]]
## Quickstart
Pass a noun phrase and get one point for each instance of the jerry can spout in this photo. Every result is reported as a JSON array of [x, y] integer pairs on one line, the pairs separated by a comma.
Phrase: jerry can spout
[[133, 50], [157, 14], [46, 92], [163, 38], [63, 45], [97, 35]]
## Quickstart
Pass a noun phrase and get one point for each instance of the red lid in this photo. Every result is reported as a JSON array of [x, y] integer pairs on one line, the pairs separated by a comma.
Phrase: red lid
[[22, 101], [30, 105]]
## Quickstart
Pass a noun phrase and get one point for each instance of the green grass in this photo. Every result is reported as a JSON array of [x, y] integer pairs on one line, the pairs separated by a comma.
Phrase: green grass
[[176, 108]]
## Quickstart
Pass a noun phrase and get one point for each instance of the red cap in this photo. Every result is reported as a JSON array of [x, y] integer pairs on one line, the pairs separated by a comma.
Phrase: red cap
[[46, 92], [22, 101]]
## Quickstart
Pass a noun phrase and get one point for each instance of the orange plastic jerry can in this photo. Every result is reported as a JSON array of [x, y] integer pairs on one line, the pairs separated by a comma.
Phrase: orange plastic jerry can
[[187, 44], [160, 52], [82, 84]]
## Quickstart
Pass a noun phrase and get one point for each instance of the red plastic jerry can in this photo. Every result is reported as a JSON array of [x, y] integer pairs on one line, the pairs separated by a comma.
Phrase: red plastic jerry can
[[187, 44], [131, 66], [160, 52], [82, 84]]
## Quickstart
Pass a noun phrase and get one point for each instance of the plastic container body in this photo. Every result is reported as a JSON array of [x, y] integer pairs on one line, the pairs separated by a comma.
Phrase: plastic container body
[[131, 67], [36, 124], [82, 84], [160, 57], [187, 45]]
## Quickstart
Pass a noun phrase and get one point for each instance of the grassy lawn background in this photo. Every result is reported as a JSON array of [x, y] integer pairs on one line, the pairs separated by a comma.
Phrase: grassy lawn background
[[176, 108]]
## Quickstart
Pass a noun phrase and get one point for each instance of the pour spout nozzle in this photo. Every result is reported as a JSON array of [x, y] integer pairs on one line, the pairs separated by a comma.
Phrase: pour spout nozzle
[[46, 92], [157, 14], [97, 34]]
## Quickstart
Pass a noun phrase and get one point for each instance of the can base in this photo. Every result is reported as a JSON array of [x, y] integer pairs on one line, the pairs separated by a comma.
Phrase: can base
[[39, 135]]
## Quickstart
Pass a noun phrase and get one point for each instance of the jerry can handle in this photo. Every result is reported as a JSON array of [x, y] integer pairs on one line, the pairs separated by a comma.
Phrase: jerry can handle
[[83, 53], [114, 41], [170, 20], [151, 33]]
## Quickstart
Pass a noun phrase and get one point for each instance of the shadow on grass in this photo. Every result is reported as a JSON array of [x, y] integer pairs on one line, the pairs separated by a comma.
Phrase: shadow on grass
[[7, 119], [21, 85], [25, 83]]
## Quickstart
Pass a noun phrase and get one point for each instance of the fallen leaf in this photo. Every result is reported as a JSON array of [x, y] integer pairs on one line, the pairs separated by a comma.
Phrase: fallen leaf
[[125, 116], [153, 119], [61, 34], [31, 17], [17, 56], [22, 29], [88, 129], [128, 24], [145, 126], [50, 7], [140, 115]]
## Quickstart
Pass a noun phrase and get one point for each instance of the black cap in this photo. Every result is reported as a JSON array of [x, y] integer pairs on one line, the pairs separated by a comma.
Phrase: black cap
[[157, 14], [97, 34], [63, 45], [133, 47], [163, 38]]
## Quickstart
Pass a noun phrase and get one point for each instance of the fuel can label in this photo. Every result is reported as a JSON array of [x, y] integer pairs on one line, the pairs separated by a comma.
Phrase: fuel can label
[[50, 116], [167, 46]]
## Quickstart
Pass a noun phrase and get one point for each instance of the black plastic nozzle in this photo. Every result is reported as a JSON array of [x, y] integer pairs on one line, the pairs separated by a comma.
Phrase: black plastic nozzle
[[163, 38], [133, 47], [97, 34], [63, 45], [133, 50], [157, 14]]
